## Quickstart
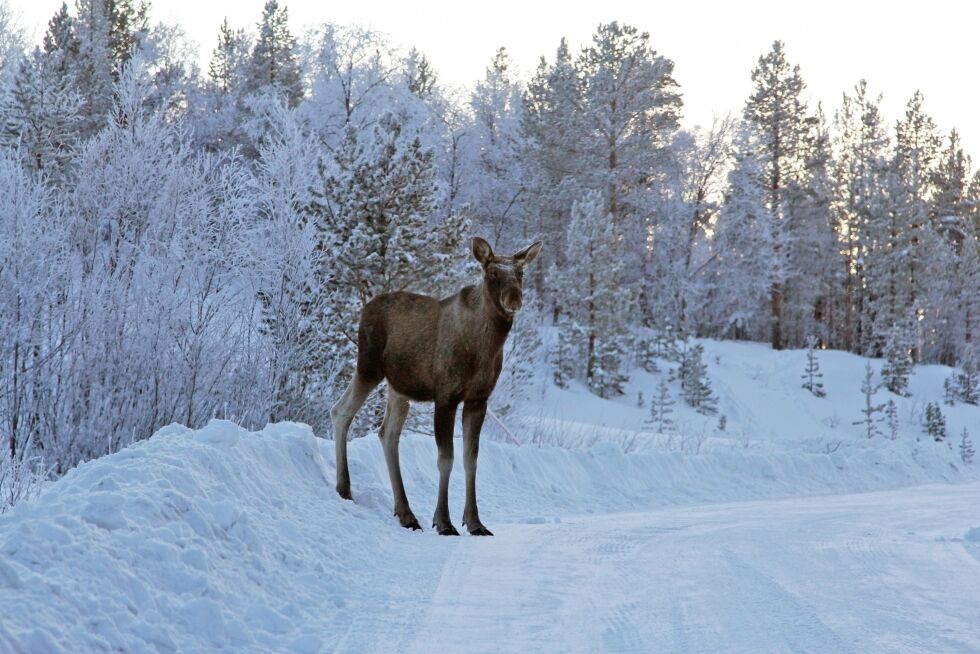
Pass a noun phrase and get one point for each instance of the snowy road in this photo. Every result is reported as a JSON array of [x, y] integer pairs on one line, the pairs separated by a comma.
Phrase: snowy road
[[871, 572]]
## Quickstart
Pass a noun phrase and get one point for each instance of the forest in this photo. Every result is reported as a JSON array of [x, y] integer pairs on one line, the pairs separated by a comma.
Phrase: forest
[[178, 243]]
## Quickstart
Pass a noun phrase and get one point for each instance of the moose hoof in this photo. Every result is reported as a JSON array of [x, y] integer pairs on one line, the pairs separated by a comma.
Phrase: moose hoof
[[446, 530], [344, 492], [480, 530], [409, 522]]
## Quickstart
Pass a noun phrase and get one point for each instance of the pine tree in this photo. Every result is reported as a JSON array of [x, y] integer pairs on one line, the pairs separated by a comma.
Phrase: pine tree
[[274, 63], [228, 68], [949, 394], [43, 117], [870, 410], [740, 277], [695, 386], [891, 419], [777, 112], [420, 77], [566, 352], [498, 192], [966, 447], [935, 422], [967, 386], [860, 203], [898, 365], [811, 374], [631, 109], [591, 292], [661, 408]]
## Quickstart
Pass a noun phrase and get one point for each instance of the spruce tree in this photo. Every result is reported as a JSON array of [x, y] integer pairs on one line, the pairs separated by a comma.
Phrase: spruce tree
[[590, 290], [966, 447], [695, 385], [661, 408], [967, 386], [274, 63], [898, 365], [777, 112], [870, 410], [935, 422], [891, 419], [811, 373], [861, 146], [43, 117]]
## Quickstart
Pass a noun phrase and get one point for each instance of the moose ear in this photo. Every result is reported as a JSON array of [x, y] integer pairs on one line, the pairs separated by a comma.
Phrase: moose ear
[[527, 255], [482, 251]]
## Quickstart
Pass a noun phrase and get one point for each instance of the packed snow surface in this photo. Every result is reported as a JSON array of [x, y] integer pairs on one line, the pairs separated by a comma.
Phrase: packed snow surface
[[221, 538]]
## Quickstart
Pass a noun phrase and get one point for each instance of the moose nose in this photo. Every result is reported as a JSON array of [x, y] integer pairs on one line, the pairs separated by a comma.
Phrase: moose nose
[[512, 302]]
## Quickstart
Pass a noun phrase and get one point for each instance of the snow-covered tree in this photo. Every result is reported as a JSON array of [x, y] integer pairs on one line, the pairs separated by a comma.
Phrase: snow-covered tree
[[891, 418], [966, 447], [897, 369], [870, 410], [591, 293], [935, 422], [274, 64], [695, 385], [860, 171], [497, 188], [661, 407], [777, 112], [43, 116], [739, 277], [811, 373]]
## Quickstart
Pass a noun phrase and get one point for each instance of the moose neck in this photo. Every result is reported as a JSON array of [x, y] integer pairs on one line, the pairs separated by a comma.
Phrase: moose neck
[[495, 321]]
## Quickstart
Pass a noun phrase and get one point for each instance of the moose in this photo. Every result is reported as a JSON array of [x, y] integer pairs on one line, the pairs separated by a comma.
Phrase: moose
[[447, 351]]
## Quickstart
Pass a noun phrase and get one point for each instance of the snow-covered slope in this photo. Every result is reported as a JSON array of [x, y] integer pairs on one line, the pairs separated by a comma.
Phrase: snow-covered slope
[[223, 538]]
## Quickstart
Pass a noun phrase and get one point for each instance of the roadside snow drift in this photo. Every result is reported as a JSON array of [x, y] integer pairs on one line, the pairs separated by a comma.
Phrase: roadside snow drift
[[195, 540]]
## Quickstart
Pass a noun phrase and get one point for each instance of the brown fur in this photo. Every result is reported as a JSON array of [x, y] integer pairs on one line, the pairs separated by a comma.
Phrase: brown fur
[[446, 351]]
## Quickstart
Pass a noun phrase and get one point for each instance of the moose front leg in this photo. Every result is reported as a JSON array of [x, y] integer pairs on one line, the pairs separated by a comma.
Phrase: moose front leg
[[444, 419], [473, 413]]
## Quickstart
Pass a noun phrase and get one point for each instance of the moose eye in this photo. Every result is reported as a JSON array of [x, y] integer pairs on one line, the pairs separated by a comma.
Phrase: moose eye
[[491, 274]]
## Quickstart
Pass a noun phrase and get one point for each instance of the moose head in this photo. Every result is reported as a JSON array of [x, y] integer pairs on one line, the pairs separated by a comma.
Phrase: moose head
[[503, 276]]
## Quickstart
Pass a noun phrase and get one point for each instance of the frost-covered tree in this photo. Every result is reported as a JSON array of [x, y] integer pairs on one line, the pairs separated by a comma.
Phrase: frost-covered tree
[[966, 447], [898, 364], [935, 422], [870, 410], [497, 189], [274, 64], [777, 112], [564, 355], [591, 293], [811, 373], [891, 418], [43, 116], [661, 408], [738, 279], [695, 385], [12, 42], [860, 200]]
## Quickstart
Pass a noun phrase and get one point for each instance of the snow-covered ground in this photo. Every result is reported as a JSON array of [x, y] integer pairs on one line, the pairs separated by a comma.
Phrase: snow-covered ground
[[776, 534]]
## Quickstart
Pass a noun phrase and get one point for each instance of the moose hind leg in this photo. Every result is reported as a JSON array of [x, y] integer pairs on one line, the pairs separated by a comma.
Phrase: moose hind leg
[[342, 414], [444, 419], [391, 428], [473, 414]]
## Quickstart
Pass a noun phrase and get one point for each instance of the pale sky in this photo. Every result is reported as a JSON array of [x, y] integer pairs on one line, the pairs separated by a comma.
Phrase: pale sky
[[899, 47]]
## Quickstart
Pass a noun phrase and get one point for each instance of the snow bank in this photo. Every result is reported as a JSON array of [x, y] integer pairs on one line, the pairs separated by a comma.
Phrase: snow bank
[[186, 542], [216, 538]]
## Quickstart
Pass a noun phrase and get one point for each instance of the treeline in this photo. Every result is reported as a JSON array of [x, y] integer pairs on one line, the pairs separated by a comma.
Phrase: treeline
[[177, 245]]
